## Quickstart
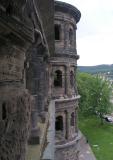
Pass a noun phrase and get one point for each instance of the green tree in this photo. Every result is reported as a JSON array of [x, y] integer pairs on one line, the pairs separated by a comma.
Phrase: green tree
[[84, 82], [95, 95]]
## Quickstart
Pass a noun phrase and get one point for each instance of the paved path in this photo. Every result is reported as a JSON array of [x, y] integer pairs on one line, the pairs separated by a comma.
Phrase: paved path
[[85, 150]]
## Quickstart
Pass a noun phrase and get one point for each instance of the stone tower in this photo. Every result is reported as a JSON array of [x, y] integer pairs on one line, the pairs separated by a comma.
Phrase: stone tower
[[63, 83]]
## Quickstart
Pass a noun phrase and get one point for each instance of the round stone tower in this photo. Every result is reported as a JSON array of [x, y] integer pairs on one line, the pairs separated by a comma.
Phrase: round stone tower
[[63, 83]]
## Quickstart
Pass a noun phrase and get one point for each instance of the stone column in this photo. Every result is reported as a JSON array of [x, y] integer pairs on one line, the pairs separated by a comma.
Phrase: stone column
[[15, 102], [67, 81], [67, 126], [76, 120], [35, 82], [75, 83]]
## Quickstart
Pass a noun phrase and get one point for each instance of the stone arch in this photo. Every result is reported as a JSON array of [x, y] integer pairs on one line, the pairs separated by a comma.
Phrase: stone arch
[[58, 78], [59, 123]]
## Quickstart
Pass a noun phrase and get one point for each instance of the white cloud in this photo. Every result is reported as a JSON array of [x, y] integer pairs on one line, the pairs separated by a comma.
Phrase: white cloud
[[95, 50]]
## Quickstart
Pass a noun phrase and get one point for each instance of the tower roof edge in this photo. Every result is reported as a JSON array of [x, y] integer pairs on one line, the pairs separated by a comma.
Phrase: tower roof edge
[[68, 8]]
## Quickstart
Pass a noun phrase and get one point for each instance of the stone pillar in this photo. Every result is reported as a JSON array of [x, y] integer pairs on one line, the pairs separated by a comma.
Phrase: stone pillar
[[15, 102], [67, 80], [69, 124], [66, 125], [35, 81], [75, 83], [76, 120]]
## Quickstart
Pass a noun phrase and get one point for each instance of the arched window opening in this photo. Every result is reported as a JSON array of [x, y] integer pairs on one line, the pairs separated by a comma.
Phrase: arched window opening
[[57, 32], [9, 9], [72, 119], [58, 78], [4, 112], [72, 78], [59, 123], [70, 36]]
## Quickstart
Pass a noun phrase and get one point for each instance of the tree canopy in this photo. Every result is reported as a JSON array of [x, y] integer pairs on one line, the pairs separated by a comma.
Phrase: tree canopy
[[95, 94]]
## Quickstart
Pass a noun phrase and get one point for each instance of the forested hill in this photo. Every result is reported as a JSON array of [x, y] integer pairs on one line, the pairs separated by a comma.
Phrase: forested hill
[[96, 69]]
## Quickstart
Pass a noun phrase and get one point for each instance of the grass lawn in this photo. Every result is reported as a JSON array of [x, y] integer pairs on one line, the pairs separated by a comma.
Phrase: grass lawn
[[99, 137]]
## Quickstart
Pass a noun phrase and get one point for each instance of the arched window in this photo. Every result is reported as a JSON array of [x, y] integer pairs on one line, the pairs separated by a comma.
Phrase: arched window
[[57, 32], [72, 119], [72, 78], [58, 78], [59, 123], [70, 36], [4, 114]]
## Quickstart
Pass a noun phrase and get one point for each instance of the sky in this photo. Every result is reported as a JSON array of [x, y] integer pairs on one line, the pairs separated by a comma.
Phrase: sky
[[94, 31]]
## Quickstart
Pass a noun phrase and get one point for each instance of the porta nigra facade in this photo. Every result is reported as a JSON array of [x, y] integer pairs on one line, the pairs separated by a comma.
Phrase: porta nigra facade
[[38, 92], [64, 89]]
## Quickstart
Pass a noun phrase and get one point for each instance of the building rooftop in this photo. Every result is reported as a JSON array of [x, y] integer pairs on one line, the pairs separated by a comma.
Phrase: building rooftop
[[67, 8]]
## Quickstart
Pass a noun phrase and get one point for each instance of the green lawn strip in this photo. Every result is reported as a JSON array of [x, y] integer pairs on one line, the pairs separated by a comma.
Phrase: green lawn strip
[[100, 137]]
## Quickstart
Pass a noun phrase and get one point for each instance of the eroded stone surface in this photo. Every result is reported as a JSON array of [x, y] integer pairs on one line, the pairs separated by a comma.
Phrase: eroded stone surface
[[14, 123]]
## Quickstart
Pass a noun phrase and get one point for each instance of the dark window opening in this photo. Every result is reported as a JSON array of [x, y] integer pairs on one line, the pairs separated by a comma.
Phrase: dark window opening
[[9, 9], [70, 36], [59, 123], [72, 78], [58, 79], [4, 115], [72, 119], [57, 32]]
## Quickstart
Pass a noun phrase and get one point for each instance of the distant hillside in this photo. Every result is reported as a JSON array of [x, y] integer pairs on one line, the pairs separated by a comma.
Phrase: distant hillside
[[96, 69]]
